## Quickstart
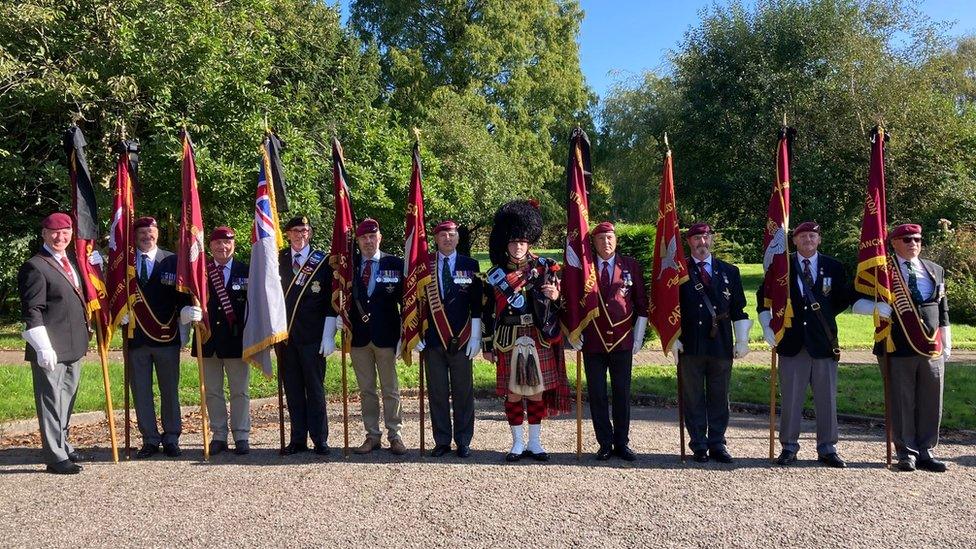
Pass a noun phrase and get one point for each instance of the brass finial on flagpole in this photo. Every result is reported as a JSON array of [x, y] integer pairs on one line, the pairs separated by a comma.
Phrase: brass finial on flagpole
[[267, 127], [416, 133], [784, 119], [667, 146]]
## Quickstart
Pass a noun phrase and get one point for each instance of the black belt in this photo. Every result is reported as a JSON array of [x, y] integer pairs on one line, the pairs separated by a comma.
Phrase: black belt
[[517, 320]]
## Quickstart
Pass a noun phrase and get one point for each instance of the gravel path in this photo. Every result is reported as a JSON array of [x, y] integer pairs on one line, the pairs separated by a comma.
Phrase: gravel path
[[381, 500]]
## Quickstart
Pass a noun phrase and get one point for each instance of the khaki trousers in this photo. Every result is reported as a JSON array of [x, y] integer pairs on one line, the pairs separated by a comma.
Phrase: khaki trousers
[[238, 380], [369, 362]]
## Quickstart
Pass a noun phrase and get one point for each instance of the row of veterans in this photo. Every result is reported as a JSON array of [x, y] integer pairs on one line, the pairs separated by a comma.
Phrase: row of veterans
[[510, 315]]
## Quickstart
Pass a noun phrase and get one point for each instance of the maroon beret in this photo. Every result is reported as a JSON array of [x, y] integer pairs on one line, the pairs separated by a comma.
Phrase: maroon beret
[[807, 227], [446, 225], [697, 229], [367, 226], [905, 230], [56, 221], [222, 232], [145, 222], [604, 227]]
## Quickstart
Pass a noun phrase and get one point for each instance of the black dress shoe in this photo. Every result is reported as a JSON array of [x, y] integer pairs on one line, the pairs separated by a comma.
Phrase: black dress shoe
[[440, 449], [538, 456], [76, 456], [217, 446], [147, 450], [512, 457], [293, 448], [241, 447], [322, 450], [833, 460], [64, 468], [172, 450], [463, 451], [604, 453], [906, 464], [786, 457], [932, 466], [701, 456], [625, 453], [720, 455]]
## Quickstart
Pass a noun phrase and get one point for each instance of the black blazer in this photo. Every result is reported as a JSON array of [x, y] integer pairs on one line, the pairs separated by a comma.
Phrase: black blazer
[[306, 316], [462, 300], [48, 299], [226, 340], [162, 297], [382, 308], [934, 312], [726, 295], [832, 292]]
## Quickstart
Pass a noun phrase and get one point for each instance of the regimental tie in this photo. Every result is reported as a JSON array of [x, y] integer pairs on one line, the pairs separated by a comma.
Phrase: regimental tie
[[703, 274], [296, 263], [367, 273], [67, 271], [913, 284], [446, 278], [605, 278], [807, 275], [144, 269]]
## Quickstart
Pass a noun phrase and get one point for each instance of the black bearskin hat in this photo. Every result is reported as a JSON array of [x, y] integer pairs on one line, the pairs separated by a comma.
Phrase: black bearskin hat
[[515, 220]]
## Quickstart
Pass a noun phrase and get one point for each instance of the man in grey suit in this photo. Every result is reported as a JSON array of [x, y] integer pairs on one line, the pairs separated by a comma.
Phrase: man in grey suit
[[156, 342], [808, 350], [57, 333], [922, 342]]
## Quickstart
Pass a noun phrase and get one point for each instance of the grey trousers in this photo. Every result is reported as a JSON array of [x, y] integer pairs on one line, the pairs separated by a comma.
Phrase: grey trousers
[[367, 363], [450, 386], [705, 389], [795, 374], [166, 361], [238, 379], [916, 404], [54, 397]]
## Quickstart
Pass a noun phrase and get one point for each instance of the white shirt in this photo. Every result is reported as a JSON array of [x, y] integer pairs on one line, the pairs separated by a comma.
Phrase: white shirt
[[302, 255], [814, 262], [57, 257], [150, 259], [610, 265], [708, 264], [225, 270], [926, 286]]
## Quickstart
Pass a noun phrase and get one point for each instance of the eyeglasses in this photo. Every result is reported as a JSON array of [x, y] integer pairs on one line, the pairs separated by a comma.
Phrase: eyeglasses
[[910, 239], [299, 231]]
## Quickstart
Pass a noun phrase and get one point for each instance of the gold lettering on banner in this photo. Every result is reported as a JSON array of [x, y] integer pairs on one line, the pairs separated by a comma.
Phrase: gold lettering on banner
[[675, 317], [871, 205], [872, 243], [673, 281], [783, 280], [411, 209]]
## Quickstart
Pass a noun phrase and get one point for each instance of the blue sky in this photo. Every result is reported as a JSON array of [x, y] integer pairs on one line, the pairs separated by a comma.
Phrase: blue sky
[[620, 39]]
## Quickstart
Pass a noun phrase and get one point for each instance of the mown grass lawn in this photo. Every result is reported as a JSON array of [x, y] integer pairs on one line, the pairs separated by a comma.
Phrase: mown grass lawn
[[856, 331], [859, 387]]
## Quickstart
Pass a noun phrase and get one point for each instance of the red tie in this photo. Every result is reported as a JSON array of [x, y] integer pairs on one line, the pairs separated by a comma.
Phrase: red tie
[[67, 270], [367, 273], [705, 277], [605, 278]]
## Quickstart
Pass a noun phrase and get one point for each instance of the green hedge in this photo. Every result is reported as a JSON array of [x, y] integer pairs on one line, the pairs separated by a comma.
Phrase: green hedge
[[637, 241]]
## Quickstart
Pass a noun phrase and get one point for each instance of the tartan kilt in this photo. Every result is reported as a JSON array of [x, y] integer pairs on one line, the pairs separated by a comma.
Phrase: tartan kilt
[[552, 378]]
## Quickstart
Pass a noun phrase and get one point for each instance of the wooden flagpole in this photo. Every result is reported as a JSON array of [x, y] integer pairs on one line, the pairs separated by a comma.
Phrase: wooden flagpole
[[772, 403], [579, 405], [205, 424], [109, 413]]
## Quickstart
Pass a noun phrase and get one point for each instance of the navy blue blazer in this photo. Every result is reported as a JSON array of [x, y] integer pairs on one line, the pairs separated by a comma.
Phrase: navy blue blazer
[[376, 318], [462, 300], [726, 295]]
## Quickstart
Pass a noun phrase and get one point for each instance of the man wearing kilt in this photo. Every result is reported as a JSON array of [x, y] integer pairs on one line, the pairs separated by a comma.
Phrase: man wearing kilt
[[521, 327]]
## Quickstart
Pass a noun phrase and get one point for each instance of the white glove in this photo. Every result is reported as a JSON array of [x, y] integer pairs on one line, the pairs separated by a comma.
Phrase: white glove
[[124, 320], [95, 258], [399, 347], [765, 318], [474, 344], [328, 346], [946, 342], [191, 313], [639, 329], [677, 347], [578, 346], [741, 329], [868, 307], [39, 340], [339, 324], [421, 345]]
